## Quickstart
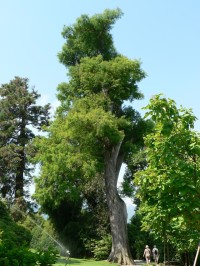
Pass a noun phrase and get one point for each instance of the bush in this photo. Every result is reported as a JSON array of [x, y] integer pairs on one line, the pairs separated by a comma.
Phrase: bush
[[12, 233], [14, 242], [22, 256], [100, 248]]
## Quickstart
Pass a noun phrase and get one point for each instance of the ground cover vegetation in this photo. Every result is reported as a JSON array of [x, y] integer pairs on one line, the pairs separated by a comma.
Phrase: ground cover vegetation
[[15, 244]]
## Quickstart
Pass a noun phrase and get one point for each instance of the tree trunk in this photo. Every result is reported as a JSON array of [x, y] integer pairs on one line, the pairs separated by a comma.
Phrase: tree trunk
[[19, 185], [120, 252], [164, 251]]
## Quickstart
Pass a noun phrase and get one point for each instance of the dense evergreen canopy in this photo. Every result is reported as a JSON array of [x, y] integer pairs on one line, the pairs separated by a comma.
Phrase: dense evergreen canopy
[[19, 116]]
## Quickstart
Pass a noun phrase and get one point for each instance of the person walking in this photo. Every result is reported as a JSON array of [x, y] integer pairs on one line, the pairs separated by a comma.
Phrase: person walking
[[147, 254], [155, 253]]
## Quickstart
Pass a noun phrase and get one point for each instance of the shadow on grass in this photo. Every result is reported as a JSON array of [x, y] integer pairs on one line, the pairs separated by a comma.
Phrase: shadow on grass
[[64, 261], [85, 262]]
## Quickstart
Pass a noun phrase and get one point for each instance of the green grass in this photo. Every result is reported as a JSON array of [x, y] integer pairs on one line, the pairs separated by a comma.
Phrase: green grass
[[83, 262]]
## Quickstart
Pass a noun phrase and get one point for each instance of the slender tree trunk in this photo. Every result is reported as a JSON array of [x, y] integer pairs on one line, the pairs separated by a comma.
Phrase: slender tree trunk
[[165, 250], [168, 256], [20, 204], [19, 185], [120, 252], [197, 254]]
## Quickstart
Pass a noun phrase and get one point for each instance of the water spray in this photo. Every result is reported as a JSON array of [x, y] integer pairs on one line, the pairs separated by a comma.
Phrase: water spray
[[42, 229]]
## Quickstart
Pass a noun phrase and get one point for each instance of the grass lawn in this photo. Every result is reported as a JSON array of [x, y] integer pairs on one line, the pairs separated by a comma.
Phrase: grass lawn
[[83, 262]]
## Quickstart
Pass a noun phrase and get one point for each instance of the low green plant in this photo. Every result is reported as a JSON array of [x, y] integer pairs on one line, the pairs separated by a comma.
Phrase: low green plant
[[22, 256], [100, 248], [47, 257], [14, 244], [12, 234]]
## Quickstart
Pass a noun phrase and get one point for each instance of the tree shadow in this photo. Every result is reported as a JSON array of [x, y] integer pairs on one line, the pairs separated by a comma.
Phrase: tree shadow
[[66, 261]]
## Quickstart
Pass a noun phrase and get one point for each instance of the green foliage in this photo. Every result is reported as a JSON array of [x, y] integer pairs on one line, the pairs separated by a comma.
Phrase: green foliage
[[21, 256], [99, 248], [89, 37], [42, 232], [139, 239], [135, 162], [12, 234], [47, 257], [116, 78], [93, 132], [169, 187], [14, 244], [18, 112]]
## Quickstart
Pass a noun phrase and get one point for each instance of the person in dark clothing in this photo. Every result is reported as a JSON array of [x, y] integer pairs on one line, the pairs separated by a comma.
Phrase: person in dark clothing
[[155, 253]]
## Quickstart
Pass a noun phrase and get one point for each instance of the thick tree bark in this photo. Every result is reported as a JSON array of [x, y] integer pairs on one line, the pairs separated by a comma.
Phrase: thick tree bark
[[120, 252]]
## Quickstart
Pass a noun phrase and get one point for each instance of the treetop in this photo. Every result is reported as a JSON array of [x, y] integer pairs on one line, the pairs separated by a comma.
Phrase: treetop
[[88, 37]]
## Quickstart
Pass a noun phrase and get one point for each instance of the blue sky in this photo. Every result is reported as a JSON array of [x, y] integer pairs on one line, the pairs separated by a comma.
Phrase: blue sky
[[163, 34]]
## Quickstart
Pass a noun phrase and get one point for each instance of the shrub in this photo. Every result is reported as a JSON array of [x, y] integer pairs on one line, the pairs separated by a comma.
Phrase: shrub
[[100, 248], [12, 233], [22, 256], [14, 243]]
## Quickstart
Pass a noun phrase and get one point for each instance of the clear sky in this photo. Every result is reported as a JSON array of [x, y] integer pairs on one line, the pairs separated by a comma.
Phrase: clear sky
[[163, 34]]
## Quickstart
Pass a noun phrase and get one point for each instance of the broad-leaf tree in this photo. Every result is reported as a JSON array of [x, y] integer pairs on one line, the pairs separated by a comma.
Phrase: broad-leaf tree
[[169, 187], [19, 116], [94, 131]]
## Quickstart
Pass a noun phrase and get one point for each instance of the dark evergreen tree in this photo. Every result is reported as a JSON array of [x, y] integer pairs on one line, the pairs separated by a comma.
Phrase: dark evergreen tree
[[19, 117]]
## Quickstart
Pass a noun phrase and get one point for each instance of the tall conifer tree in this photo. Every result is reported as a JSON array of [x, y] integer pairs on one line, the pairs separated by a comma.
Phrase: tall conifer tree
[[19, 116]]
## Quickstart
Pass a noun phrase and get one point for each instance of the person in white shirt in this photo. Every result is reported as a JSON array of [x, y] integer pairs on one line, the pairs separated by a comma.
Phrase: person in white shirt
[[147, 254]]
